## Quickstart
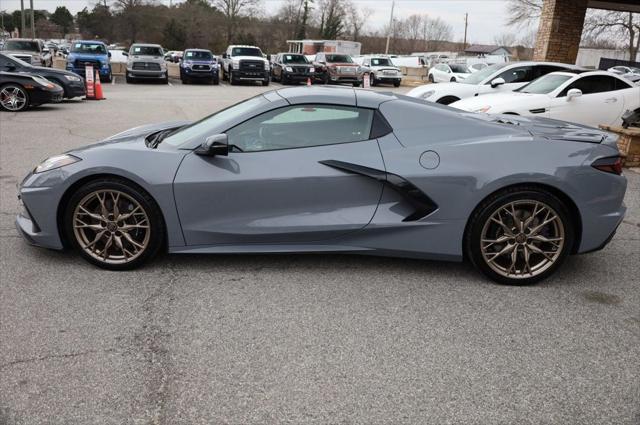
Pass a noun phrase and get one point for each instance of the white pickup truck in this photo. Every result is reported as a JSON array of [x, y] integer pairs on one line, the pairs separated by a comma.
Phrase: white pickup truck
[[245, 63]]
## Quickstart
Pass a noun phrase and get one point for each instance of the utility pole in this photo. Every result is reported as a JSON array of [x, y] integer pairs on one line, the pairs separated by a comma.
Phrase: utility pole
[[33, 27], [386, 49], [22, 18], [466, 23]]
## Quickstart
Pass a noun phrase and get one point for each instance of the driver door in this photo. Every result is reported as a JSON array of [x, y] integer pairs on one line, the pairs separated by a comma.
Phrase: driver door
[[272, 188]]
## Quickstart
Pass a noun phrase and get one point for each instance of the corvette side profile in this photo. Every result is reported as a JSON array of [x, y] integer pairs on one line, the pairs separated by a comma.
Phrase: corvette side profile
[[327, 169]]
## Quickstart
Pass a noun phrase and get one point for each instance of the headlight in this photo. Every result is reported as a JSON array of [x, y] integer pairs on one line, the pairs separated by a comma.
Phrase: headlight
[[266, 65], [42, 81], [56, 162], [483, 109], [288, 69], [312, 70], [163, 65], [235, 64], [72, 77], [427, 94]]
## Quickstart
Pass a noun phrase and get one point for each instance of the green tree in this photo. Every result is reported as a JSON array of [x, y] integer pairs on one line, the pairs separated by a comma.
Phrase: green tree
[[63, 18]]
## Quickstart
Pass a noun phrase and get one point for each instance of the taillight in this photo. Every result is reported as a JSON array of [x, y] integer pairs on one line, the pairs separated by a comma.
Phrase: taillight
[[612, 164]]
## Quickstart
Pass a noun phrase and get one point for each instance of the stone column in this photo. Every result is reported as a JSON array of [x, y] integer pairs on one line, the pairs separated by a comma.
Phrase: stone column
[[560, 30]]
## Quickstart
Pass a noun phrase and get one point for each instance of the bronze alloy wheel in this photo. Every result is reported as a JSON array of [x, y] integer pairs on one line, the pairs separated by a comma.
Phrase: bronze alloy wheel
[[111, 227], [522, 239]]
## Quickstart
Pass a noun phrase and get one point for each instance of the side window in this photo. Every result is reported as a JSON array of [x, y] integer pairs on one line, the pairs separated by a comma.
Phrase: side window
[[592, 84], [520, 74], [302, 126], [621, 85]]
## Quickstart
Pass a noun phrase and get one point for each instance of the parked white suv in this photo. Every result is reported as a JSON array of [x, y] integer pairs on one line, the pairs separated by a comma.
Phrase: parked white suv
[[381, 70], [245, 63], [495, 78], [146, 62]]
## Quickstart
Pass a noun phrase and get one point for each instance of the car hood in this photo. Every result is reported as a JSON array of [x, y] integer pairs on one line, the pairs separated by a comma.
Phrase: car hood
[[342, 64], [462, 74], [20, 52], [500, 101], [44, 71], [551, 129], [253, 58], [384, 68], [84, 56], [460, 90]]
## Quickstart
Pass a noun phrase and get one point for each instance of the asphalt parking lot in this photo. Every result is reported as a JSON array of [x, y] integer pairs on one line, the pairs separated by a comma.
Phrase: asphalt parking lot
[[297, 338]]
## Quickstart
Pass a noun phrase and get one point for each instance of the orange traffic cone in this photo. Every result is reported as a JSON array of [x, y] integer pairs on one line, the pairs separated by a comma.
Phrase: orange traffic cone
[[308, 81], [99, 95]]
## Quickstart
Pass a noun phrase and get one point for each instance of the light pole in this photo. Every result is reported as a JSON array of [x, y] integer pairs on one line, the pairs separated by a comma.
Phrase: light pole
[[22, 18], [33, 27], [386, 49]]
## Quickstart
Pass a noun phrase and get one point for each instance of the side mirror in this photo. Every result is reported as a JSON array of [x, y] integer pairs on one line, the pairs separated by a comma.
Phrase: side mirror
[[109, 54], [497, 82], [224, 56], [573, 93], [125, 53], [214, 145]]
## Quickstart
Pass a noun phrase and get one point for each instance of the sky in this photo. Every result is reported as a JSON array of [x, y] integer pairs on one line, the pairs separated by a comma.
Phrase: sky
[[486, 17]]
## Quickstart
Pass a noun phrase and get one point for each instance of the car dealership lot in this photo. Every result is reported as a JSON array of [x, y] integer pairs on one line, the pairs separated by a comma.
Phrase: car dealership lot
[[298, 338]]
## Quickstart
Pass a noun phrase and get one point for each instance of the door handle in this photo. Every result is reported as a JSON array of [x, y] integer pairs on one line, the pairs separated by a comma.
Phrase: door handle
[[611, 100]]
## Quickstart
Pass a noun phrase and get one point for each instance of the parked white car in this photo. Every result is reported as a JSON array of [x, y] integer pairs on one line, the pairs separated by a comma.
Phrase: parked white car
[[118, 56], [628, 72], [499, 77], [588, 98], [448, 72], [382, 70]]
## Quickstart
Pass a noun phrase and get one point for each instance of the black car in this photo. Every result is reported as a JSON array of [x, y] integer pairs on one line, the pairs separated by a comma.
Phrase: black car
[[19, 90], [72, 84], [291, 68]]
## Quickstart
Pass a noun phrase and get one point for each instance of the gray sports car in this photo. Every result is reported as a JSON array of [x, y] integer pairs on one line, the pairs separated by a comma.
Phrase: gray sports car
[[327, 169]]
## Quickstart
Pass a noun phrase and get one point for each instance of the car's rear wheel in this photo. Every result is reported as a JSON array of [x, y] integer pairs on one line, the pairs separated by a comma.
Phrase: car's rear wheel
[[519, 236], [431, 80], [13, 98], [114, 224]]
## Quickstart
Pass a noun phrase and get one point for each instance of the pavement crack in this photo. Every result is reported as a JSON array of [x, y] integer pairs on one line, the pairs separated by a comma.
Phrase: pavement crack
[[53, 356], [152, 341]]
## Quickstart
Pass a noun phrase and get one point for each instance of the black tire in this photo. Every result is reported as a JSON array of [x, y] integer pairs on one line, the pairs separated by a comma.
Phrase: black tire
[[372, 80], [129, 80], [284, 80], [396, 84], [431, 80], [325, 79], [447, 100], [265, 82], [483, 213], [156, 221], [357, 84], [216, 81], [108, 78], [231, 80], [24, 92], [453, 79], [165, 80]]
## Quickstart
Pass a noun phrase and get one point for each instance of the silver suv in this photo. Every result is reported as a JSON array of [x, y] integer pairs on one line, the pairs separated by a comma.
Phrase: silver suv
[[146, 62]]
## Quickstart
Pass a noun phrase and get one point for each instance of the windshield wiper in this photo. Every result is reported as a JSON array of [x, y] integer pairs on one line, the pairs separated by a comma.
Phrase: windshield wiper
[[154, 139]]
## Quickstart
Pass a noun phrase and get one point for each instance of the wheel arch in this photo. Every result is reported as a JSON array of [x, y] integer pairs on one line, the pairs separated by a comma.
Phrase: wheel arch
[[68, 193], [572, 208]]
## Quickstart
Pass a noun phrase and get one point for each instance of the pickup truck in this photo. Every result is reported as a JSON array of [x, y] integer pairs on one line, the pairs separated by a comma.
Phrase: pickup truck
[[89, 52], [245, 63]]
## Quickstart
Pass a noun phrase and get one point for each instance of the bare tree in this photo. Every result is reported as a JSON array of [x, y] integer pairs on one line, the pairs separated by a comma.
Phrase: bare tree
[[233, 11], [436, 31], [357, 19], [506, 39], [610, 24], [523, 13]]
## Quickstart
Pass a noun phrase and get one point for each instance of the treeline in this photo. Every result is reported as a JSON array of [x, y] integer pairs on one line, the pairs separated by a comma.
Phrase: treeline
[[214, 24]]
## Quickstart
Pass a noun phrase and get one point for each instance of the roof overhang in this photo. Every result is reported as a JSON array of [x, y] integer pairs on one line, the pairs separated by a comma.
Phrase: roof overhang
[[620, 5]]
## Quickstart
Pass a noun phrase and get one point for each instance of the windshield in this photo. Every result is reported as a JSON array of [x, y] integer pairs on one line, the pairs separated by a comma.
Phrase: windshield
[[31, 46], [478, 76], [198, 55], [89, 48], [208, 125], [459, 68], [381, 62], [246, 51], [146, 51], [545, 84], [339, 58], [16, 60], [294, 59]]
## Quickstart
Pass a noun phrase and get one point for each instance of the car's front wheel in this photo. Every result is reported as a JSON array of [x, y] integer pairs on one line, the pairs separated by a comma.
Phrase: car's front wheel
[[13, 98], [519, 236], [114, 224]]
